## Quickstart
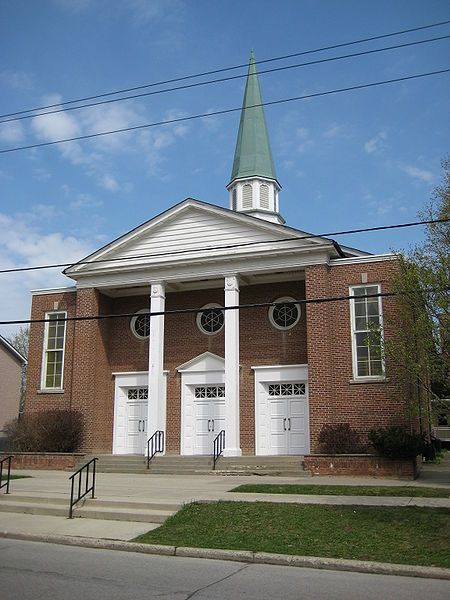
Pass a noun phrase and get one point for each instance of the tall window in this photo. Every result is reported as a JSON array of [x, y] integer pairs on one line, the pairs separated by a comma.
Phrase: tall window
[[53, 359], [367, 330]]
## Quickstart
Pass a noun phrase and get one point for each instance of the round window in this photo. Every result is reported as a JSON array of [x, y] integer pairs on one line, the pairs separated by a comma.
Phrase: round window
[[211, 319], [285, 314], [140, 324]]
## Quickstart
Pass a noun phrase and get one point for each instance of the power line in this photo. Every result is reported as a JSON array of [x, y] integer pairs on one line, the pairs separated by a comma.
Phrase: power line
[[226, 247], [224, 111], [224, 79], [222, 70], [178, 311]]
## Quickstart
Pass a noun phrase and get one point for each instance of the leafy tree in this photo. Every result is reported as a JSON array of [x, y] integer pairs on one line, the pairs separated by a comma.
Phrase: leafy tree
[[20, 341], [421, 348]]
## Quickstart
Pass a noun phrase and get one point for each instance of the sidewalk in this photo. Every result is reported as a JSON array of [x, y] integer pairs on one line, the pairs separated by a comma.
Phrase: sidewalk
[[185, 489]]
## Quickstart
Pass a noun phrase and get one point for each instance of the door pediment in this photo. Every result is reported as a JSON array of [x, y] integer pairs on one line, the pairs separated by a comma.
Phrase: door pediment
[[205, 362]]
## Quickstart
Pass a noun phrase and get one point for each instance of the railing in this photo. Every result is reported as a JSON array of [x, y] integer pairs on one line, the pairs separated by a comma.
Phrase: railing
[[155, 445], [86, 470], [218, 447], [8, 476]]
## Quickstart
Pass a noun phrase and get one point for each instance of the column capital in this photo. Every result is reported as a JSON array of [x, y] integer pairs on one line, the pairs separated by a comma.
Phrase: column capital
[[157, 289], [232, 283]]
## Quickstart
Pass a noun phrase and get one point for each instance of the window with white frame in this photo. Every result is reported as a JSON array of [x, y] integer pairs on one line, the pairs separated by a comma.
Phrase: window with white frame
[[367, 331], [53, 359], [285, 314], [140, 324]]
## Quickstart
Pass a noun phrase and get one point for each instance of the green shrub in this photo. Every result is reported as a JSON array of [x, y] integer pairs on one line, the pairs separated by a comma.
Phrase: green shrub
[[46, 431], [396, 442], [339, 438]]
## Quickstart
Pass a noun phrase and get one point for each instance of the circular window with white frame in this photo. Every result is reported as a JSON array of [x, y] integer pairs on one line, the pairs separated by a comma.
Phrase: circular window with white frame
[[285, 314], [140, 324], [211, 319]]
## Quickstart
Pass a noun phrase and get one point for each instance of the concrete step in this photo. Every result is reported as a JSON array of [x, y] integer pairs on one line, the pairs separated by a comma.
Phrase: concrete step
[[34, 508], [287, 466], [122, 514], [114, 510], [270, 472]]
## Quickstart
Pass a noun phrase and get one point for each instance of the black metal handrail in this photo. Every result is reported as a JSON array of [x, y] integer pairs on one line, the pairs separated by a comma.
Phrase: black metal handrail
[[155, 445], [218, 447], [84, 469], [8, 475]]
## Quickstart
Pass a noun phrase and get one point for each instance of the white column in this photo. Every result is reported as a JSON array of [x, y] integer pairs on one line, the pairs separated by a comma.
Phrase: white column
[[156, 387], [232, 440]]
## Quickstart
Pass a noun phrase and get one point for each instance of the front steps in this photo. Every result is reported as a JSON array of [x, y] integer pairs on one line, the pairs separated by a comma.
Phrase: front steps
[[107, 510], [283, 466]]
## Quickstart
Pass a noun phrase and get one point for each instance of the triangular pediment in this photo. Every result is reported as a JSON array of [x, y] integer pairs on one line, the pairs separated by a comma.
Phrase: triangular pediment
[[207, 361], [190, 230]]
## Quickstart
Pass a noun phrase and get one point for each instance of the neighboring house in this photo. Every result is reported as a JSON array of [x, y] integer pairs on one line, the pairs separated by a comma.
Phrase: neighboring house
[[271, 377], [12, 364]]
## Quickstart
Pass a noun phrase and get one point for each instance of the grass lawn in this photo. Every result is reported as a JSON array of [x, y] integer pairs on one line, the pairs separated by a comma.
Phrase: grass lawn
[[345, 490], [410, 535], [20, 476]]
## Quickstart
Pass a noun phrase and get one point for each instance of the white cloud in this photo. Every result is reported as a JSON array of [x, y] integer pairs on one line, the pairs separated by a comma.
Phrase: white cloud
[[333, 131], [305, 142], [18, 80], [376, 144], [146, 11], [55, 126], [108, 182], [22, 245], [11, 132], [41, 174], [83, 201], [417, 173]]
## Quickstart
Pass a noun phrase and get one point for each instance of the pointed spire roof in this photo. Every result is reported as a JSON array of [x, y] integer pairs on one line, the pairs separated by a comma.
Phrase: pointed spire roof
[[253, 155]]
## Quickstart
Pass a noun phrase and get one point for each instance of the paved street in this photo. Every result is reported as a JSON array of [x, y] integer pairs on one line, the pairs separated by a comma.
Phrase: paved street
[[31, 571]]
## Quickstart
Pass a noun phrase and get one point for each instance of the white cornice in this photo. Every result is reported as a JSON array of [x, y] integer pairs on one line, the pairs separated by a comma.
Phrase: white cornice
[[336, 262], [206, 270], [60, 290]]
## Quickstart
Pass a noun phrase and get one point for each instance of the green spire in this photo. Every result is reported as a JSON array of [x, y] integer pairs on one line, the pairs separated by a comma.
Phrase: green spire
[[252, 155]]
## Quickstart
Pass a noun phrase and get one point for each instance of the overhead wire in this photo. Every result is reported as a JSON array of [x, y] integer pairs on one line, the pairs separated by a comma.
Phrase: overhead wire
[[224, 79], [179, 311], [223, 247], [234, 67], [224, 111]]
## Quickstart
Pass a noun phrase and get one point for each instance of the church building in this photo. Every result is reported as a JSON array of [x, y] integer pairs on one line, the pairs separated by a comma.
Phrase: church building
[[212, 319]]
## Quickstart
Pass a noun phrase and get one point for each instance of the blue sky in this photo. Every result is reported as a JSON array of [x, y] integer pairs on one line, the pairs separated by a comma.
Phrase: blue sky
[[360, 159]]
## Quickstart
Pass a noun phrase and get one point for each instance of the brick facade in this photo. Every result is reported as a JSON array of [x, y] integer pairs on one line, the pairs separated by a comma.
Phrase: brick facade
[[97, 348]]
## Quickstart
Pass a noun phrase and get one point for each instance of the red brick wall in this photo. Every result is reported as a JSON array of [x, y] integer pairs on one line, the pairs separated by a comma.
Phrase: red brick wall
[[34, 399], [363, 465], [260, 344], [333, 395], [45, 461], [96, 349]]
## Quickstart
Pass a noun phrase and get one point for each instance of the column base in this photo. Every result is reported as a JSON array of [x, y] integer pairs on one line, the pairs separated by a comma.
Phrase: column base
[[232, 452]]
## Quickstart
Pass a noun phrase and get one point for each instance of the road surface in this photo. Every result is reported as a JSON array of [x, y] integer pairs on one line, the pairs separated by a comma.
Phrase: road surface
[[35, 571]]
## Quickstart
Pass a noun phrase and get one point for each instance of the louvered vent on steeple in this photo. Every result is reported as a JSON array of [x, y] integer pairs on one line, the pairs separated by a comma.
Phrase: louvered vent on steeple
[[247, 196], [264, 196]]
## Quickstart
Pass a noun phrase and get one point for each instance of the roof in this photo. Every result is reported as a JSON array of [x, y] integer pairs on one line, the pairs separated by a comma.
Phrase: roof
[[253, 156], [130, 245], [10, 348]]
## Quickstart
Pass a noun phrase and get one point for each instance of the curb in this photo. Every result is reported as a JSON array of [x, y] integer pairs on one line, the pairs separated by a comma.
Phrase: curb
[[247, 556]]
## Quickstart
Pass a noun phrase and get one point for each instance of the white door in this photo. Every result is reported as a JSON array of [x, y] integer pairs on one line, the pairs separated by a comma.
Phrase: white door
[[288, 418], [136, 418], [209, 417]]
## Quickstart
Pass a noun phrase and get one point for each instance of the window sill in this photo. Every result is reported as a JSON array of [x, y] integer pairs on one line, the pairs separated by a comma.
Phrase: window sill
[[49, 391], [369, 380]]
